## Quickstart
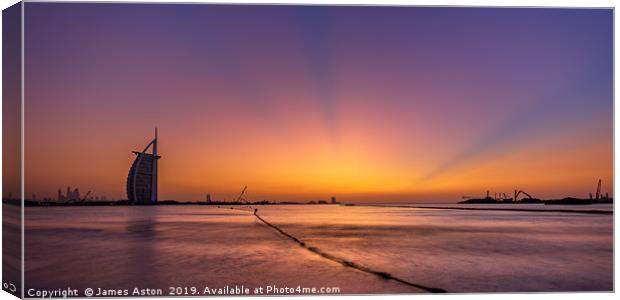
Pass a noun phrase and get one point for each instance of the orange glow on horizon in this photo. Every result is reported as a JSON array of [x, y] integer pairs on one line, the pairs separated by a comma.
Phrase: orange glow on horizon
[[305, 103]]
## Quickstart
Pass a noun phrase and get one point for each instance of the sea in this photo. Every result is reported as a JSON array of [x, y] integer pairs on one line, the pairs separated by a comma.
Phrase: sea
[[186, 248]]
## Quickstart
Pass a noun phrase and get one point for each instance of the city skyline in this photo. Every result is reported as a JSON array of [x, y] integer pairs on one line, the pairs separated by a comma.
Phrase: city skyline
[[384, 104]]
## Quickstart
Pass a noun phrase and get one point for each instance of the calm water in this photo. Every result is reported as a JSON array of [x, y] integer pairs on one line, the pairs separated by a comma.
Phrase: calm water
[[459, 251]]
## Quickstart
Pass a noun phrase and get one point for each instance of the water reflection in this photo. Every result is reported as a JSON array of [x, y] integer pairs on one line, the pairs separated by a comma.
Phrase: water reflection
[[460, 251], [141, 229]]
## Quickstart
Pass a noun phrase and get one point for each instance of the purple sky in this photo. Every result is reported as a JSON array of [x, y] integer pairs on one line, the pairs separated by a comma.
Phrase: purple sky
[[305, 102]]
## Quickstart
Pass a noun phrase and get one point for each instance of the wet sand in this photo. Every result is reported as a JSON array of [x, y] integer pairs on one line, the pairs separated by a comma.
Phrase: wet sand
[[458, 251]]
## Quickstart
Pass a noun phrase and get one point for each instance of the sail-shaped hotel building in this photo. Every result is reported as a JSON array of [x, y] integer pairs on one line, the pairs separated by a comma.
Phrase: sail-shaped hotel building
[[142, 177]]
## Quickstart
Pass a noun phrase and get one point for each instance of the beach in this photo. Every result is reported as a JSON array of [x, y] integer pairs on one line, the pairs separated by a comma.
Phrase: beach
[[164, 247]]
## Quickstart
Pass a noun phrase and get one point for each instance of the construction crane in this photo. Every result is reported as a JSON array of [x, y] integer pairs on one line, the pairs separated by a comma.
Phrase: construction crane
[[240, 198], [80, 200], [521, 192], [598, 190], [85, 197]]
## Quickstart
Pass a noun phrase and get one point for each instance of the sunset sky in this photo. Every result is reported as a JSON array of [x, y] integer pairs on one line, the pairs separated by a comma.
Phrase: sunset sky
[[384, 104]]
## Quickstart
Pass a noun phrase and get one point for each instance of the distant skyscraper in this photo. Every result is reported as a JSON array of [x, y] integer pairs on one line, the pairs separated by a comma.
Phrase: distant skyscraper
[[208, 198], [76, 194], [69, 195], [60, 198], [333, 200], [142, 177]]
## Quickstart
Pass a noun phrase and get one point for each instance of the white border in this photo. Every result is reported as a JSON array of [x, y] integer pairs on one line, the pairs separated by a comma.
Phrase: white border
[[495, 3]]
